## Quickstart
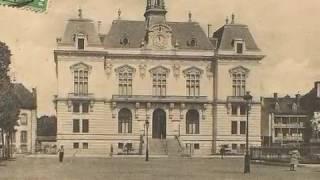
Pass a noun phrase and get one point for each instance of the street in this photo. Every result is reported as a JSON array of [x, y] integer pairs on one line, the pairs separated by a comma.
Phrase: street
[[27, 168]]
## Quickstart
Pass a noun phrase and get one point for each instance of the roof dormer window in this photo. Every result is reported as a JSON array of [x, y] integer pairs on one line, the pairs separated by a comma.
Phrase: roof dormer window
[[239, 46], [192, 42], [80, 41], [124, 41]]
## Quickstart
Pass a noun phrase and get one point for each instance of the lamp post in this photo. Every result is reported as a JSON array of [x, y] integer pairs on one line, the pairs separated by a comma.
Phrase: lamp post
[[248, 99], [147, 144]]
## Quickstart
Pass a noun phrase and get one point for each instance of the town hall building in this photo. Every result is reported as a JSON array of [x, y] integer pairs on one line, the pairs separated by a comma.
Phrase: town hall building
[[168, 78]]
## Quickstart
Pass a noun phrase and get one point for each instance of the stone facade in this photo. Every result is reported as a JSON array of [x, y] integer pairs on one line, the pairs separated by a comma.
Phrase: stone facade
[[170, 75]]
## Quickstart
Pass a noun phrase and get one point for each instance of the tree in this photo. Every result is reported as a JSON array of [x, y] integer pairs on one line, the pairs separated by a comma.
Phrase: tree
[[9, 104]]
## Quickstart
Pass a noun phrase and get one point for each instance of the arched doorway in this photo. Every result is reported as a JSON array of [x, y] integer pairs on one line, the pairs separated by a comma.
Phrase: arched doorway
[[159, 124], [192, 122]]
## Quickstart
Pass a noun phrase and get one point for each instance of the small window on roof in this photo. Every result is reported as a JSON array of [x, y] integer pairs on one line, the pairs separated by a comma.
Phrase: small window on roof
[[124, 41], [81, 43], [192, 42], [239, 47]]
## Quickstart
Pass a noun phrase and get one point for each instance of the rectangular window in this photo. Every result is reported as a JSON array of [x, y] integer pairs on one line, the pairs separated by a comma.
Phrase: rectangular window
[[159, 87], [196, 146], [234, 109], [76, 125], [85, 125], [76, 107], [125, 83], [24, 119], [243, 126], [193, 84], [243, 109], [120, 145], [85, 107], [234, 146], [81, 43], [75, 145], [85, 145], [239, 48], [242, 147], [80, 82], [234, 127], [239, 84], [24, 137]]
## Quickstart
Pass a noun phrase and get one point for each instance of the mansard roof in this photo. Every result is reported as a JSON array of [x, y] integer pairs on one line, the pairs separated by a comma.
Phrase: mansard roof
[[135, 31], [285, 105], [228, 33], [81, 26]]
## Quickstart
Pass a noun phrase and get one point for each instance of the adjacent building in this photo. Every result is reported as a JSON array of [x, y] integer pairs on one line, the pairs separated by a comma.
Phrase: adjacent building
[[24, 138], [186, 86], [283, 120]]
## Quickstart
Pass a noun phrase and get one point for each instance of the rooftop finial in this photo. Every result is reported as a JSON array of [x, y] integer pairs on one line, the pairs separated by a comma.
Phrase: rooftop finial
[[80, 13], [119, 14], [233, 17], [190, 16], [227, 20]]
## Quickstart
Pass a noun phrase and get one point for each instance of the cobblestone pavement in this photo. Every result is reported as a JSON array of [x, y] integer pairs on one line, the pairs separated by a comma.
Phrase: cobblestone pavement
[[27, 168]]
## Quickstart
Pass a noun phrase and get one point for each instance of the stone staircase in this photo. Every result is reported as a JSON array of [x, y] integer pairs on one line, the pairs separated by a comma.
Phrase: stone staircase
[[174, 149], [158, 147]]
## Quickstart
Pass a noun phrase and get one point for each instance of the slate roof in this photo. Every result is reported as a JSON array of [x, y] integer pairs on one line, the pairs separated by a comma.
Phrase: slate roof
[[25, 97], [81, 25], [311, 102], [229, 32], [285, 104], [135, 31]]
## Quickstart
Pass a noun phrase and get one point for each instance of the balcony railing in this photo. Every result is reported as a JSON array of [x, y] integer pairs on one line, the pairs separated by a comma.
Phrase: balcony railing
[[288, 138], [150, 98], [80, 95], [293, 125]]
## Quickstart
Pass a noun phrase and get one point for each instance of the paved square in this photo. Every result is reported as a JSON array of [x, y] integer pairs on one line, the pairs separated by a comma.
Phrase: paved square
[[137, 169]]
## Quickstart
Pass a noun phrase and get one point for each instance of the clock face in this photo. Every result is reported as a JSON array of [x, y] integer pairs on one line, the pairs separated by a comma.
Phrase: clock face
[[159, 41]]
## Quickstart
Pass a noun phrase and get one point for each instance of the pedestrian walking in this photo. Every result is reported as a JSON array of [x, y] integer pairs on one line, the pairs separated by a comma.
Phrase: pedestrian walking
[[222, 150], [294, 159], [61, 153]]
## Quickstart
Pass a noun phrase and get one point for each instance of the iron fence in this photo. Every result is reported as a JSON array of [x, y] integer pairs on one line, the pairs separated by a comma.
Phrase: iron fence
[[309, 154]]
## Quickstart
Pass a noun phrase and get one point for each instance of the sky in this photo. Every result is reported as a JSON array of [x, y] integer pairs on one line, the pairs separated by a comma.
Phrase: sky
[[287, 31]]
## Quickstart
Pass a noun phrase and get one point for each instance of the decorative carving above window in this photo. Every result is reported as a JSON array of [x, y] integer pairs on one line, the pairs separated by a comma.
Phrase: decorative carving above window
[[80, 66], [193, 70], [239, 70], [125, 69], [209, 70], [143, 69], [160, 70], [108, 67], [176, 70]]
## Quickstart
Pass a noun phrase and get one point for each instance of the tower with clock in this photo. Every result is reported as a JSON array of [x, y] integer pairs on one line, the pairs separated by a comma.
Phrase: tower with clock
[[159, 33]]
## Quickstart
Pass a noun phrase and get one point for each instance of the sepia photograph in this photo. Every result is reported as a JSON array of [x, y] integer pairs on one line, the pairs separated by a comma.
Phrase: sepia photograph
[[159, 90]]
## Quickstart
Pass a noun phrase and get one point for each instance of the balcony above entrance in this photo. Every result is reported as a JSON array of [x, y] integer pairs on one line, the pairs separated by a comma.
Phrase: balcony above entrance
[[161, 99]]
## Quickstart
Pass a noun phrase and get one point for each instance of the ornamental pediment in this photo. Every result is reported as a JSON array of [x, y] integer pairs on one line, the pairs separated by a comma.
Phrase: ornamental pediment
[[125, 68], [239, 70], [193, 70], [81, 66], [159, 70]]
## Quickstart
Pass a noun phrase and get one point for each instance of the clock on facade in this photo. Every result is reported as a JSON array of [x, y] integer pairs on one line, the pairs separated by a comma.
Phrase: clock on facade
[[159, 41]]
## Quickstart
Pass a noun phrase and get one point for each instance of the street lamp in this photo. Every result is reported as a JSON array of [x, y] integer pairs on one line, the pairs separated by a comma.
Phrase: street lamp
[[147, 144], [248, 99]]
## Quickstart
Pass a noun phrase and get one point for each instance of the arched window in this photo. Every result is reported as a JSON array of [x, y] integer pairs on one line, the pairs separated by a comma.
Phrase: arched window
[[125, 121], [192, 122]]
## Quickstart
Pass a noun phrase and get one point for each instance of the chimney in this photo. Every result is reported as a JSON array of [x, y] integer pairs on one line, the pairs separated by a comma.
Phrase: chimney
[[34, 93], [99, 27], [275, 96], [317, 87], [298, 98]]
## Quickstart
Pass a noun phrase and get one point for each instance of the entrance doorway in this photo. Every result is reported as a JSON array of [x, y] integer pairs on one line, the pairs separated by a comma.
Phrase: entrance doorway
[[159, 124]]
